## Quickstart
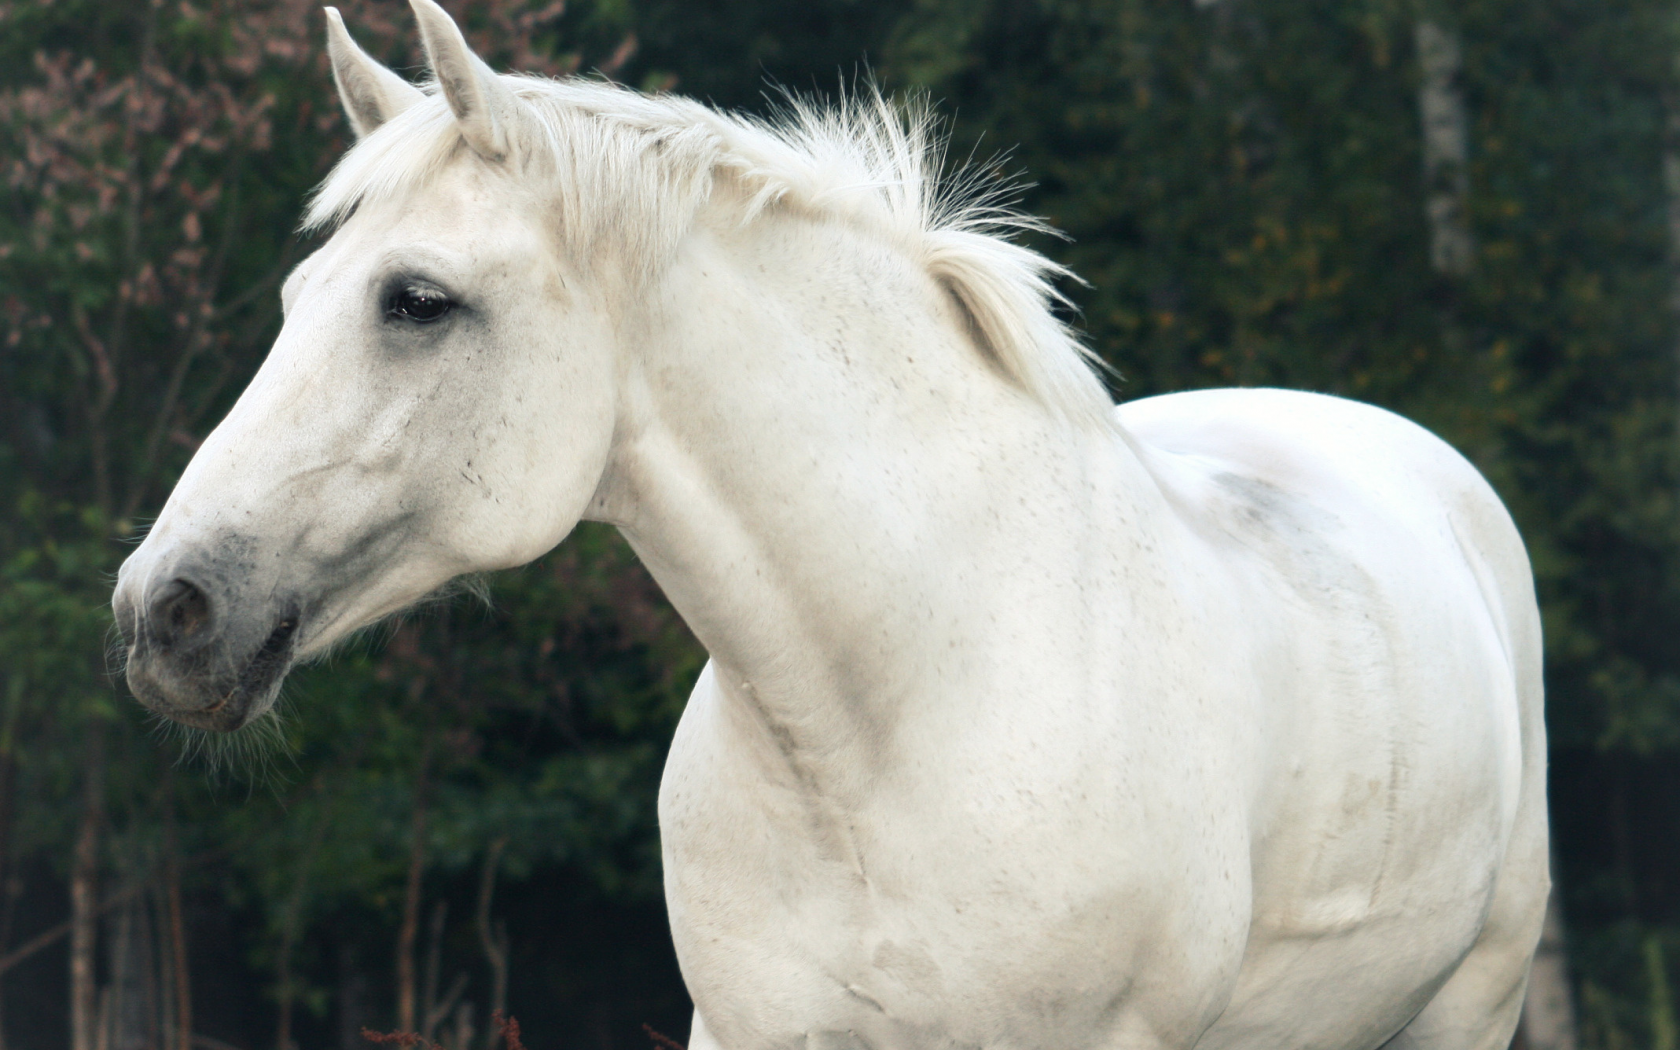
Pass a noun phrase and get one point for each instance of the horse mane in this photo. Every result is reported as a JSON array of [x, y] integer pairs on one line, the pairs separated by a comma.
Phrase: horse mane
[[629, 169]]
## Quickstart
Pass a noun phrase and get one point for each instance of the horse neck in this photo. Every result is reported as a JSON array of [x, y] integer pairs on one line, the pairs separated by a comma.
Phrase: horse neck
[[812, 458]]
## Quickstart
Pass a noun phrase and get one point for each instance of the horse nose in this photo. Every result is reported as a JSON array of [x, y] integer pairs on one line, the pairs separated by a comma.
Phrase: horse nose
[[179, 613]]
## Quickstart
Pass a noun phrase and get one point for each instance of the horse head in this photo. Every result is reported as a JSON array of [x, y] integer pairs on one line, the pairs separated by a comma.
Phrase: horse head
[[440, 401]]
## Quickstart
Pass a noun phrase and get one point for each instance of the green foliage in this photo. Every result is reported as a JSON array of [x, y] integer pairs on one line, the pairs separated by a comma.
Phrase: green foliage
[[156, 158]]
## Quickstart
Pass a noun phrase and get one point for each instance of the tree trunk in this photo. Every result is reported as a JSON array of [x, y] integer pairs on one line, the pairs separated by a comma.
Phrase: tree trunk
[[290, 930], [493, 940], [163, 959], [8, 788], [132, 1015], [84, 904], [1671, 183], [408, 933], [1548, 1019], [434, 970], [283, 972], [352, 1000], [292, 927], [461, 1038], [179, 1036], [1446, 148]]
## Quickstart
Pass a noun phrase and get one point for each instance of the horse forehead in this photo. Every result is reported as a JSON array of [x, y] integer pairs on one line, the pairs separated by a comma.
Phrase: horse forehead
[[455, 212]]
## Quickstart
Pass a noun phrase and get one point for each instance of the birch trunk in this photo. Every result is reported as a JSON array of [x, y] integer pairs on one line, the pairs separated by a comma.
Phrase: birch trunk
[[1446, 148], [408, 932], [1548, 1020], [132, 1016]]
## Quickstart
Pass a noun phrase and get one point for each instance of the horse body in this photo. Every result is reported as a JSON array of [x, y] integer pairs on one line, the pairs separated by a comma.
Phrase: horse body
[[1019, 736], [1398, 840], [1213, 722]]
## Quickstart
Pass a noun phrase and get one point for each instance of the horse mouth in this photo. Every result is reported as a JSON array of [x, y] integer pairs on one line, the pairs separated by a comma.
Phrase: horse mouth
[[223, 716], [184, 688], [273, 657]]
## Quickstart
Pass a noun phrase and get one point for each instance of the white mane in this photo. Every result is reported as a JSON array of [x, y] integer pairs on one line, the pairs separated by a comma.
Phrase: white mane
[[629, 169]]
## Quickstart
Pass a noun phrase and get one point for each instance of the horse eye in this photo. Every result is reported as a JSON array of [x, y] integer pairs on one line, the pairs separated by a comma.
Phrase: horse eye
[[419, 304]]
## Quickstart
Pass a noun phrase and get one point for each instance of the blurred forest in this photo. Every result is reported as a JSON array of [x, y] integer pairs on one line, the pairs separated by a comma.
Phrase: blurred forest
[[1467, 212]]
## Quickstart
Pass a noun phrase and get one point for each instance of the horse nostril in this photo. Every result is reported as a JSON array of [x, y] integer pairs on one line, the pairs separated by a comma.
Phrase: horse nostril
[[180, 611]]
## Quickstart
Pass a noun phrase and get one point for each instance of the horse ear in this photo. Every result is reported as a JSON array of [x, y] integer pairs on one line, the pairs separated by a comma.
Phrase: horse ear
[[371, 93], [484, 107]]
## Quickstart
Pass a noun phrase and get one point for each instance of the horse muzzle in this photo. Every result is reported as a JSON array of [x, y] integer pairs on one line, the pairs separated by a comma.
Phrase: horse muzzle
[[199, 651]]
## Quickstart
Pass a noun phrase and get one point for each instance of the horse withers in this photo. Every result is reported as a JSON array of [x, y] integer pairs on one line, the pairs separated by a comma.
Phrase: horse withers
[[1209, 721]]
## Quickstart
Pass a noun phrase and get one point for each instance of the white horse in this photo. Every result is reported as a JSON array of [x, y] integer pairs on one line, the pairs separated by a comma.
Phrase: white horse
[[1211, 721]]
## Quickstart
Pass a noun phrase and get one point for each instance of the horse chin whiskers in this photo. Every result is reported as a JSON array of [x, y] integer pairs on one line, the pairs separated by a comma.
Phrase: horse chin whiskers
[[116, 653], [252, 754], [475, 585]]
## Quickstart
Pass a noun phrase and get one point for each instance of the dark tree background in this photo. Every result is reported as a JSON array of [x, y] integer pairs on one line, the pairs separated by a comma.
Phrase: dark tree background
[[1469, 213]]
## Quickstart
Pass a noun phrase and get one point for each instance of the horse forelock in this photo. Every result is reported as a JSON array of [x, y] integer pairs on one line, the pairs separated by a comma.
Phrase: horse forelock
[[627, 170]]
